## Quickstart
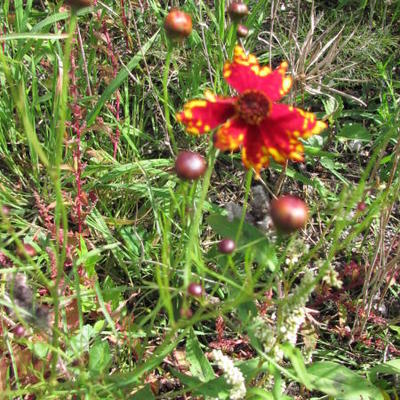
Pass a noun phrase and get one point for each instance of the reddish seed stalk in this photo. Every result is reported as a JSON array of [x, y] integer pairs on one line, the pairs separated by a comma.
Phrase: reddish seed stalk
[[3, 32], [117, 132], [124, 22], [77, 115], [51, 227], [114, 63], [4, 260], [220, 327]]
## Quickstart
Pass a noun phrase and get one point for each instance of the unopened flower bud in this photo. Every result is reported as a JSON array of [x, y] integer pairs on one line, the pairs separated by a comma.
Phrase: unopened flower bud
[[242, 31], [178, 24], [361, 206], [5, 210], [28, 250], [289, 213], [238, 10], [186, 313], [190, 165], [79, 3], [226, 246], [19, 331], [195, 289]]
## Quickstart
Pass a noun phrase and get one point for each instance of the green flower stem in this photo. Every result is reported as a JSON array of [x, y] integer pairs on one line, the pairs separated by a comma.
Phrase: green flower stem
[[18, 94], [55, 172], [249, 177], [162, 271], [194, 228], [166, 98], [229, 264], [183, 192], [231, 39]]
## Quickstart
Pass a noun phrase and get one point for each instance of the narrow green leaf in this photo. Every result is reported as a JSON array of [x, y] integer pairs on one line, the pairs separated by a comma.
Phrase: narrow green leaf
[[80, 342], [294, 355], [391, 367], [217, 388], [33, 36], [99, 357], [246, 312], [259, 394], [341, 383], [199, 365], [331, 166], [119, 79], [143, 394], [354, 132]]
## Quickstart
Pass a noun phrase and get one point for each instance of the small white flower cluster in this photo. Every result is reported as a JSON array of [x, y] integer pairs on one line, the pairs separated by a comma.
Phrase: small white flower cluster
[[292, 316], [293, 319], [332, 278], [307, 355], [269, 382], [232, 375], [293, 313], [295, 251], [292, 260], [265, 332], [302, 292]]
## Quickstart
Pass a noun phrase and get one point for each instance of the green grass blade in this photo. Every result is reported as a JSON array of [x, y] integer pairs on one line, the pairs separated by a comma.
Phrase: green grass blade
[[119, 79]]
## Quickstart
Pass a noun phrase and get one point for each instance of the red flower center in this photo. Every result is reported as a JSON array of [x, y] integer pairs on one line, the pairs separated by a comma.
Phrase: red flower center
[[253, 106]]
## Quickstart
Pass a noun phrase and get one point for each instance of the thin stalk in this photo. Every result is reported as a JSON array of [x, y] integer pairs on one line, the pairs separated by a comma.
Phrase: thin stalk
[[171, 135], [231, 39], [162, 271], [249, 177], [56, 176], [194, 228], [19, 99]]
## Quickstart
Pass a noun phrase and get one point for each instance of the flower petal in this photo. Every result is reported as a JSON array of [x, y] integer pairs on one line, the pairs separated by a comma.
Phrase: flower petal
[[282, 129], [231, 134], [278, 136], [254, 153], [245, 73], [201, 116]]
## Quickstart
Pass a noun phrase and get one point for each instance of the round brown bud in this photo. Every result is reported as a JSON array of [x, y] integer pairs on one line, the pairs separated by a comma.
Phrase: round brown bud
[[238, 10], [226, 246], [186, 313], [289, 213], [19, 331], [178, 24], [11, 19], [361, 206], [242, 31], [195, 289], [79, 3], [5, 210], [190, 165], [28, 250]]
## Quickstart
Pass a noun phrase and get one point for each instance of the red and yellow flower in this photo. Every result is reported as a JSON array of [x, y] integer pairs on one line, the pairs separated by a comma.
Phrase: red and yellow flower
[[253, 121]]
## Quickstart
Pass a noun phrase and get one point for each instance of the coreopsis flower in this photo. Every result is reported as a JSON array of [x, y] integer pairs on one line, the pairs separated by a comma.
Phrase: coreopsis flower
[[253, 120]]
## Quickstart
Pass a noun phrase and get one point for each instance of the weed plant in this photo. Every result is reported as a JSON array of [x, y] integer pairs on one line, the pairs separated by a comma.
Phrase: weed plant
[[122, 280]]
